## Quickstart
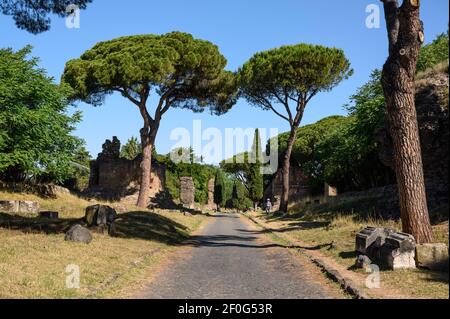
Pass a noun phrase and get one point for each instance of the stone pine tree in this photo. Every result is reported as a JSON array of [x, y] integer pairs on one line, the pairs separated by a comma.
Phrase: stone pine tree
[[131, 149], [219, 190], [255, 178], [180, 71], [405, 34], [284, 80], [32, 15]]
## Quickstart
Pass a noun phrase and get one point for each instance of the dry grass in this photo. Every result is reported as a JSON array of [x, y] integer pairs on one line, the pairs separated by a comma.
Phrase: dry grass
[[33, 265], [423, 77], [339, 230]]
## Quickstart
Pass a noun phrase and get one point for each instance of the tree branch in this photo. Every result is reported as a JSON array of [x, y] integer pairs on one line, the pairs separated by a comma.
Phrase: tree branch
[[263, 101], [391, 12], [148, 120], [125, 93]]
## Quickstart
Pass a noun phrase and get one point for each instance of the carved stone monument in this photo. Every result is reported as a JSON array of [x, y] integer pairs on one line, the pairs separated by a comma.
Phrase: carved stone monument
[[390, 249]]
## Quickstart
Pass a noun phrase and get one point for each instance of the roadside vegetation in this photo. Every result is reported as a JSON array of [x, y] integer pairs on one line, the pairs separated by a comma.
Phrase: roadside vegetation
[[331, 234]]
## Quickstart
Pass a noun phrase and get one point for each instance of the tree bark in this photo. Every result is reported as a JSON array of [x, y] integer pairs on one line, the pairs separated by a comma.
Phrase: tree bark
[[286, 170], [148, 137], [405, 38]]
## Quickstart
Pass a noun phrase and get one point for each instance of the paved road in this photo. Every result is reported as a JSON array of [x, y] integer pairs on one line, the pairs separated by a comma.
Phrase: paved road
[[231, 259]]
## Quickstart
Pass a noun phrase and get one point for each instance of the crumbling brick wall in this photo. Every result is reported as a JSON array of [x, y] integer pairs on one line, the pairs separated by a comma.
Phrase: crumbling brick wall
[[113, 177], [298, 187]]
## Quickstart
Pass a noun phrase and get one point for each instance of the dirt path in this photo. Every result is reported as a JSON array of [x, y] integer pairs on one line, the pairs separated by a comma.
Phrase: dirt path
[[229, 259]]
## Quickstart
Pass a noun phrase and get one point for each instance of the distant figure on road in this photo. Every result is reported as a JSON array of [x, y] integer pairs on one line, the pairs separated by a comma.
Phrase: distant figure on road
[[268, 206]]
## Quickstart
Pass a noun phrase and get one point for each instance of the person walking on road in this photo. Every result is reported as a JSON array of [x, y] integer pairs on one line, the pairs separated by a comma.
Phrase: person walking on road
[[268, 206]]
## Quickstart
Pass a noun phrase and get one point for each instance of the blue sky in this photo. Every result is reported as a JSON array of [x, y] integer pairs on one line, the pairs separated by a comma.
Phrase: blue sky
[[240, 28]]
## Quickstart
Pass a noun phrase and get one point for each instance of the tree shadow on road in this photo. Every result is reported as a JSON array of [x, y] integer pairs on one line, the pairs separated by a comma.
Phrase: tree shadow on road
[[246, 241]]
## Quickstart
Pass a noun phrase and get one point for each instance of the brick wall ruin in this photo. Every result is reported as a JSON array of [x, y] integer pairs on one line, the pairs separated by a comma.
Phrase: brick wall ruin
[[298, 187], [116, 178]]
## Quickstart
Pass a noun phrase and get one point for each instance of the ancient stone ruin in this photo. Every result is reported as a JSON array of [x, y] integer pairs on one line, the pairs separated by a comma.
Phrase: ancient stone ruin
[[432, 115], [211, 204], [116, 178], [386, 248], [20, 207], [298, 187], [187, 191]]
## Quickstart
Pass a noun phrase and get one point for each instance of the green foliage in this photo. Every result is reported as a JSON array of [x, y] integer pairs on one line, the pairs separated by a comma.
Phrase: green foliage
[[255, 178], [200, 173], [131, 149], [35, 129], [220, 189], [342, 151], [349, 153], [246, 168], [79, 178], [291, 73], [33, 15], [239, 197], [185, 72], [433, 53]]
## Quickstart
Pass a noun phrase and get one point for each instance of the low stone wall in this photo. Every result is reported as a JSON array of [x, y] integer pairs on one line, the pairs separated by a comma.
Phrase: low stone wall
[[381, 201], [26, 208]]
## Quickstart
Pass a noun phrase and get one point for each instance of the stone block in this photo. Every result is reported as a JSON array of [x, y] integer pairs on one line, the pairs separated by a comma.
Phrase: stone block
[[390, 249], [432, 256], [27, 208], [368, 236], [362, 261], [9, 206], [402, 241], [393, 258], [100, 215]]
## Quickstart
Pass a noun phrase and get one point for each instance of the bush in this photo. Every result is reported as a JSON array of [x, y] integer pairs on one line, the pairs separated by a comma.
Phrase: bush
[[433, 53]]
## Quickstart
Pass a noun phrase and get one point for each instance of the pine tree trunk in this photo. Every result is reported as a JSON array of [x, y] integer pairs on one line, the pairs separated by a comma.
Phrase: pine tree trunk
[[286, 171], [399, 90], [148, 141]]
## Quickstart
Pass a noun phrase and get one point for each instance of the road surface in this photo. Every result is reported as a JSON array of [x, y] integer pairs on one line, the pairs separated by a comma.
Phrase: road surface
[[232, 259]]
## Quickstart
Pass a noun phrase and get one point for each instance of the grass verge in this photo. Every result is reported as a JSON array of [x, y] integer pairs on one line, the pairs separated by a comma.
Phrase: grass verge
[[33, 264], [332, 235]]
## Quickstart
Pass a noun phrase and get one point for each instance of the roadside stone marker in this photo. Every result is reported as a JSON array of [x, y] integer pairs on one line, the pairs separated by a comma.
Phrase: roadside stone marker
[[187, 191]]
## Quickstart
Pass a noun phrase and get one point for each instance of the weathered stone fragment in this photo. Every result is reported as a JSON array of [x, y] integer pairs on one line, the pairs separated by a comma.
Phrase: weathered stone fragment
[[78, 233], [187, 191], [100, 215]]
